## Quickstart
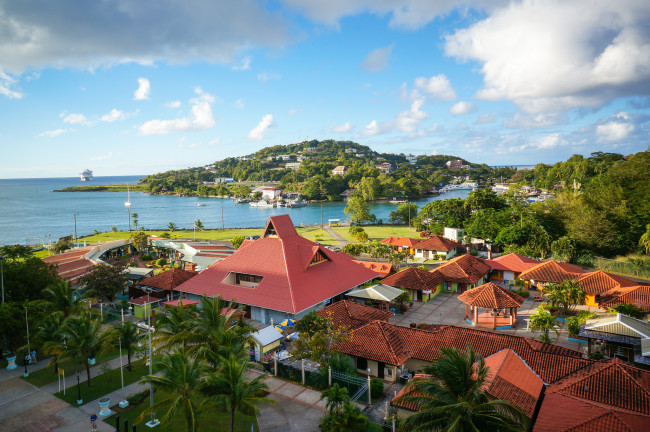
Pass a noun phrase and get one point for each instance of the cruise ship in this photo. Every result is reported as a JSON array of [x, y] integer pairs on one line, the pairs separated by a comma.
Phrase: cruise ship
[[86, 175]]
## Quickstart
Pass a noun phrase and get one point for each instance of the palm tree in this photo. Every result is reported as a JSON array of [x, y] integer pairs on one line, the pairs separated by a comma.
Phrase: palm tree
[[337, 398], [350, 419], [134, 218], [50, 332], [451, 398], [172, 326], [127, 333], [85, 338], [232, 393], [61, 297], [198, 224], [545, 322], [171, 226], [182, 378], [644, 241]]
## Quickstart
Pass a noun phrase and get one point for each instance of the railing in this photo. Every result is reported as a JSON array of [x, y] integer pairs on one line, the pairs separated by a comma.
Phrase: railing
[[356, 385]]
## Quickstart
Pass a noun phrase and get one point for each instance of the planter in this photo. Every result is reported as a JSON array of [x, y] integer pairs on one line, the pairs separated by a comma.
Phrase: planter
[[103, 406], [91, 361], [124, 403], [11, 360]]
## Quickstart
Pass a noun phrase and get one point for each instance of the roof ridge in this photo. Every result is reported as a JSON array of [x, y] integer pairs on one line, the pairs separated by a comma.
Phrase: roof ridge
[[629, 375], [288, 273]]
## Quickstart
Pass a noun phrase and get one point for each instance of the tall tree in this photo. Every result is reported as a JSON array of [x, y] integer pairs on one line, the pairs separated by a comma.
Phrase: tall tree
[[173, 325], [127, 335], [451, 397], [358, 211], [644, 241], [105, 281], [62, 297], [182, 377], [543, 321], [134, 219], [171, 226], [50, 334], [233, 393], [140, 240]]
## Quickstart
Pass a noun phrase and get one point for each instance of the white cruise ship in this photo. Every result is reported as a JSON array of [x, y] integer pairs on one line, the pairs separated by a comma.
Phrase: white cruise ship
[[86, 175]]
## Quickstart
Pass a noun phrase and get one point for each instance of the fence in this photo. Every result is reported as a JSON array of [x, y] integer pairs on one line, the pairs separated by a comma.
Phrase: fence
[[356, 385], [317, 380], [634, 267]]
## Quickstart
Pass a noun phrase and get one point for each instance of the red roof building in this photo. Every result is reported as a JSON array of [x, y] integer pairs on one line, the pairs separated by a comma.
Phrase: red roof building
[[381, 269], [402, 244], [281, 275], [420, 284], [436, 246], [495, 300], [638, 295], [507, 268], [351, 315], [551, 271], [72, 264], [461, 273], [599, 282]]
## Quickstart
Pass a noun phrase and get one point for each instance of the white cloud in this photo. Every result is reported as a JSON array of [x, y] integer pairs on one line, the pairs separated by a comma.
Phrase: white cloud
[[239, 104], [437, 86], [74, 118], [55, 132], [486, 118], [613, 131], [344, 128], [199, 143], [265, 76], [143, 91], [292, 111], [372, 128], [378, 59], [173, 104], [201, 118], [462, 107], [556, 55], [409, 121], [115, 115], [258, 131], [99, 158], [38, 33], [539, 120], [6, 84], [244, 66]]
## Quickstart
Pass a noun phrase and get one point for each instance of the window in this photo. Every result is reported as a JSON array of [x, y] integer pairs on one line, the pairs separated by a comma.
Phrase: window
[[243, 279], [318, 258], [362, 363], [389, 372]]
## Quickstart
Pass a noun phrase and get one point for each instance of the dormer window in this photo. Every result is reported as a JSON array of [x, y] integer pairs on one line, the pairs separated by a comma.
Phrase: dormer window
[[318, 258], [270, 230], [243, 279]]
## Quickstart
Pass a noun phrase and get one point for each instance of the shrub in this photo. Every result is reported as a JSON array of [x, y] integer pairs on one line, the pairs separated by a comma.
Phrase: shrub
[[376, 388], [161, 262], [237, 241], [522, 292], [596, 356], [146, 257], [473, 252], [573, 325], [165, 235], [136, 399]]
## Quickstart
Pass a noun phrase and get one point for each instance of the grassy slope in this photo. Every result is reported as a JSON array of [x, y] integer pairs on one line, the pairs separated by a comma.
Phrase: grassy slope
[[381, 232], [47, 375]]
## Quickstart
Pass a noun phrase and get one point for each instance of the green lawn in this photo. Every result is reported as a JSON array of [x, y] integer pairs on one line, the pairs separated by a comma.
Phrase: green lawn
[[47, 375], [380, 232], [104, 383], [210, 421]]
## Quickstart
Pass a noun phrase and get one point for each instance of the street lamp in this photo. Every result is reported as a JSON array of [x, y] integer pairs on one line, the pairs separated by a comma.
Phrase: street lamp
[[5, 351], [79, 400], [148, 290], [75, 228], [26, 374]]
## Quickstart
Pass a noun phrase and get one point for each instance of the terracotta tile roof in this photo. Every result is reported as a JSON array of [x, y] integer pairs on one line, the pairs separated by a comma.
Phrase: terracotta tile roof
[[71, 265], [185, 302], [414, 278], [438, 243], [639, 295], [491, 295], [294, 277], [515, 262], [168, 280], [552, 271], [512, 380], [371, 341], [599, 282], [409, 391], [349, 314], [567, 413], [463, 269], [145, 300], [611, 382], [402, 241], [382, 269]]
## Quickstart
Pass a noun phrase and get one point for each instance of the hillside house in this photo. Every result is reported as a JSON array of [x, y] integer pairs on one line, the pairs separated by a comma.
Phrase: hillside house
[[436, 247], [340, 170], [271, 193]]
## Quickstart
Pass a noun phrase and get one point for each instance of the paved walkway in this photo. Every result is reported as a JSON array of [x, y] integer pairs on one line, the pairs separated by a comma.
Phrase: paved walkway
[[338, 237]]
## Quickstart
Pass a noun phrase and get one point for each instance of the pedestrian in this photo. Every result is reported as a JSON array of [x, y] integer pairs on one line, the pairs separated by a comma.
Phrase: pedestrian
[[28, 358], [34, 356], [93, 421]]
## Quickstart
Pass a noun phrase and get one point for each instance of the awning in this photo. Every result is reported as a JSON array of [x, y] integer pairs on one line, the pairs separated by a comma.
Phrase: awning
[[379, 292]]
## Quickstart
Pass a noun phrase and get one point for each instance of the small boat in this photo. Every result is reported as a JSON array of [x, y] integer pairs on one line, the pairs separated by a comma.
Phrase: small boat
[[199, 204], [262, 204], [396, 201], [241, 200], [297, 203]]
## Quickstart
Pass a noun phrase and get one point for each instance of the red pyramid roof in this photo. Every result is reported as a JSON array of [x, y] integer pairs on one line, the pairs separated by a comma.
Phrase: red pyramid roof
[[291, 282], [491, 295], [168, 280], [552, 271], [414, 278], [346, 313], [463, 269], [438, 243], [515, 262], [599, 281], [639, 295]]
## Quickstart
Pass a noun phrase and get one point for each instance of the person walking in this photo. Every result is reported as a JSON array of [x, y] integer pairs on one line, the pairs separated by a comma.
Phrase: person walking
[[28, 358], [93, 421], [34, 357]]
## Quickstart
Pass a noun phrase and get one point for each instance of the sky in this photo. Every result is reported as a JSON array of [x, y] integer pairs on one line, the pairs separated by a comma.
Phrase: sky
[[133, 87]]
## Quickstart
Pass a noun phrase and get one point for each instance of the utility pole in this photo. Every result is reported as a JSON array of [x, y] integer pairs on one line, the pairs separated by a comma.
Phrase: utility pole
[[75, 227], [222, 225], [321, 215]]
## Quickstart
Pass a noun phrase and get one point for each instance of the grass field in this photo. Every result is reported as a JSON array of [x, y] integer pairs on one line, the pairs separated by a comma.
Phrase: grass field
[[380, 232], [47, 375], [104, 383], [210, 421]]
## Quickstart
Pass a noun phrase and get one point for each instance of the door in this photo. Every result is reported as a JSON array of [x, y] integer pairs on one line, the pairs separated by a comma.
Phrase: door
[[418, 296], [380, 370]]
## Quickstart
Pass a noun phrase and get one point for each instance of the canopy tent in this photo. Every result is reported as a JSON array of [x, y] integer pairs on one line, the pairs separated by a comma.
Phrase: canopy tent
[[378, 292], [287, 322]]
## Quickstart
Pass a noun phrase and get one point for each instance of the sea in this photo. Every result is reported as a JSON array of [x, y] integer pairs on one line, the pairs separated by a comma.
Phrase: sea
[[32, 213]]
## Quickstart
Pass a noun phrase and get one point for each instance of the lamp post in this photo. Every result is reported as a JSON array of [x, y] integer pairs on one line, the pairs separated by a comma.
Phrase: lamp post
[[75, 228], [79, 400], [5, 351], [26, 374], [148, 290]]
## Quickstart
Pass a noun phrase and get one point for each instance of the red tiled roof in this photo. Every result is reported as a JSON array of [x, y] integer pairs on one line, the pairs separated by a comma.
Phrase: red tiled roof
[[612, 382], [552, 271], [438, 243], [512, 380], [168, 280], [463, 269], [401, 241], [515, 262], [349, 314], [599, 282], [393, 344], [639, 295], [491, 295], [414, 278], [290, 283], [382, 269], [71, 265], [143, 300], [185, 302], [409, 391], [567, 413]]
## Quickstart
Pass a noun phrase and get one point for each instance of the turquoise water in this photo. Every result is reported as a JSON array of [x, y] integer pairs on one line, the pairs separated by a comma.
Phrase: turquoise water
[[30, 211]]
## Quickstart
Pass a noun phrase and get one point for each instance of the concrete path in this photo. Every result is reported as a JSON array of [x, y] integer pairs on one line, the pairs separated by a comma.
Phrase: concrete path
[[338, 237]]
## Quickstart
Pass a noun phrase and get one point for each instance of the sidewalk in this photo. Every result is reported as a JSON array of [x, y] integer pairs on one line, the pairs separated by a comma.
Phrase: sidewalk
[[338, 237]]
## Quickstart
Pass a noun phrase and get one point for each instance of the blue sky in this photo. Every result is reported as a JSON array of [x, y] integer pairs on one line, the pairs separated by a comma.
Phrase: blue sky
[[128, 88]]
